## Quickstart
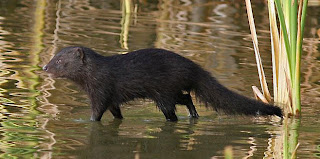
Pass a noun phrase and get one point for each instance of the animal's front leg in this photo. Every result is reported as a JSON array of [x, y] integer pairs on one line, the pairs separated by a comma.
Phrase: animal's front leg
[[96, 115], [185, 99], [97, 108]]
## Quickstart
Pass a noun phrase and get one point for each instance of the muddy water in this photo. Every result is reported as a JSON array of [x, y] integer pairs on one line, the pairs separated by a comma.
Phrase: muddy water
[[48, 118]]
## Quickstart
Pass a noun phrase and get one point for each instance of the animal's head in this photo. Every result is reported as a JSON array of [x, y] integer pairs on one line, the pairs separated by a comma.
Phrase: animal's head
[[67, 63]]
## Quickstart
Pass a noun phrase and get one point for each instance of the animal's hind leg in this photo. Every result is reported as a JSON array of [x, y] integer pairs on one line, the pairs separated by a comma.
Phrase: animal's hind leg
[[116, 112], [168, 109], [185, 99], [169, 114]]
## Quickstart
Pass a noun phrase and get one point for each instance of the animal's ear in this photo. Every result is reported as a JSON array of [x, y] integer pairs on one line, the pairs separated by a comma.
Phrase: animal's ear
[[79, 52]]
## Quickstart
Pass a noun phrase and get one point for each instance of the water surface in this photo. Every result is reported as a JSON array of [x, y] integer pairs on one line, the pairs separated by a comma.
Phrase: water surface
[[49, 118]]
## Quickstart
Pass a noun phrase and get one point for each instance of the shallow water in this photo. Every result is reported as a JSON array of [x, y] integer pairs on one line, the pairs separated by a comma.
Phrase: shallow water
[[48, 118]]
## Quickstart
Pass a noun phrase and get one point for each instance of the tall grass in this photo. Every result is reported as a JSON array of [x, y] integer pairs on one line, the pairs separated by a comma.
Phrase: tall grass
[[286, 44]]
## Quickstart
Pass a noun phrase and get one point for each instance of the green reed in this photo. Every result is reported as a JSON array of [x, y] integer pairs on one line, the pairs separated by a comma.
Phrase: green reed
[[292, 20], [286, 44]]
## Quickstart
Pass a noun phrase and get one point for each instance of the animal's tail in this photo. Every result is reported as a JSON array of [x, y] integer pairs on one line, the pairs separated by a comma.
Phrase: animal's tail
[[210, 91]]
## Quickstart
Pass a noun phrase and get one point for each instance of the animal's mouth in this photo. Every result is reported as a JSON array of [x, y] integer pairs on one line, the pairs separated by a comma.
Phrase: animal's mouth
[[51, 75]]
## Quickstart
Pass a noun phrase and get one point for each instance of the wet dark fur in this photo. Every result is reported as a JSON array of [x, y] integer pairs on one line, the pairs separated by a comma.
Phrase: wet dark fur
[[157, 74]]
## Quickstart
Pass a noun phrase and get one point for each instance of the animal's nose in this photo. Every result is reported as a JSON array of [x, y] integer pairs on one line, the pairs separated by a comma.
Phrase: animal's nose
[[45, 68]]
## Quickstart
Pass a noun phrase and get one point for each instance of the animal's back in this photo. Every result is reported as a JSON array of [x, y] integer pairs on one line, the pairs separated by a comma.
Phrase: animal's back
[[152, 72]]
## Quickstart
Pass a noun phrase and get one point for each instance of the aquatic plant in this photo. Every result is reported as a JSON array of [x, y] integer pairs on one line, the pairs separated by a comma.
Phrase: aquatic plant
[[286, 44]]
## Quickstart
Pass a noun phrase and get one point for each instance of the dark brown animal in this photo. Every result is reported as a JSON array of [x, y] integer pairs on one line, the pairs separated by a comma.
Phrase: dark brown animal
[[163, 76]]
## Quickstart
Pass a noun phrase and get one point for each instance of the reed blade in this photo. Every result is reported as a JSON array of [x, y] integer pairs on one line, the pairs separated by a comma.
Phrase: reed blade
[[296, 83], [262, 77], [284, 30], [274, 34], [258, 95], [293, 34]]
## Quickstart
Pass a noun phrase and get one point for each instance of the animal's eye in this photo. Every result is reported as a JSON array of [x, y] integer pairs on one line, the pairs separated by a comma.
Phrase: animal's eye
[[58, 61]]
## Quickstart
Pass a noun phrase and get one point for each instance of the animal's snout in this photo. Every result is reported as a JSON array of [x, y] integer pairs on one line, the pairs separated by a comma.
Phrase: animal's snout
[[45, 68]]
